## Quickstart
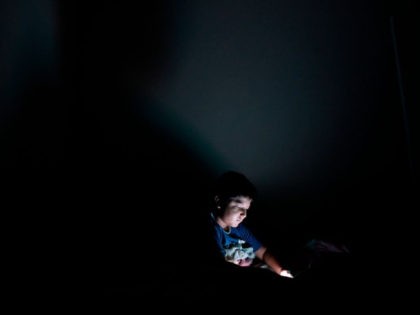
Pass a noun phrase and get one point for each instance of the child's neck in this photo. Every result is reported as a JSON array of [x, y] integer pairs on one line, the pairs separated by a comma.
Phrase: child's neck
[[223, 224]]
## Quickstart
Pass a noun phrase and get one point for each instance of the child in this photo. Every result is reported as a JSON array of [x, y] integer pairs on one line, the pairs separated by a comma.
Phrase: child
[[233, 196]]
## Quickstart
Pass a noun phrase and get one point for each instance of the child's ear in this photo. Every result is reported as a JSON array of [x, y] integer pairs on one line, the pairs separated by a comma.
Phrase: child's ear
[[217, 201]]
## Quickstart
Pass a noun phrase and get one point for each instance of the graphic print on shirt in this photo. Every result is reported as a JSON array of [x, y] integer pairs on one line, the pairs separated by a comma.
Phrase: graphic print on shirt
[[238, 251]]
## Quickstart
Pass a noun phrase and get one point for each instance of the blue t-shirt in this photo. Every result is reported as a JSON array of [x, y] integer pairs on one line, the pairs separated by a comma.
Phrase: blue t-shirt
[[239, 237]]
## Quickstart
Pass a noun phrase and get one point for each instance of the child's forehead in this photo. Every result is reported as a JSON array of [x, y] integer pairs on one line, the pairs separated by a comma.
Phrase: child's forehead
[[241, 199]]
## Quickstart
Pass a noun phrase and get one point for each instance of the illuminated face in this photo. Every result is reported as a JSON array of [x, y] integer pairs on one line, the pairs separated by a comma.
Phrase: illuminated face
[[235, 212]]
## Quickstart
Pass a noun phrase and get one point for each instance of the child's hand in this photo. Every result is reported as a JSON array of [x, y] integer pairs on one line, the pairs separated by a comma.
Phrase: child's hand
[[244, 262], [286, 273]]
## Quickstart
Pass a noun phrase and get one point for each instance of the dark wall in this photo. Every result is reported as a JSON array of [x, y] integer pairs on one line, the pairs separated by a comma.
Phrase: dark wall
[[116, 116]]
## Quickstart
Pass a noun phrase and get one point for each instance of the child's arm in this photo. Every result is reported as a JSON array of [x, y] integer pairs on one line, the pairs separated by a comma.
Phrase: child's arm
[[265, 255]]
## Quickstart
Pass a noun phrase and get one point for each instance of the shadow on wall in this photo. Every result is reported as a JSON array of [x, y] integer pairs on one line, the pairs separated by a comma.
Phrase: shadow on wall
[[140, 187], [115, 193]]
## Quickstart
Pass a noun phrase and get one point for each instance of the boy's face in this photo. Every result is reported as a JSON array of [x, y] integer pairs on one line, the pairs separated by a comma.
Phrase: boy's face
[[236, 210]]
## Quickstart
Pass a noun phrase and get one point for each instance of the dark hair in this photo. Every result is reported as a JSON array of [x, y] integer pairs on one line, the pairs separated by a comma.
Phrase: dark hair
[[232, 184]]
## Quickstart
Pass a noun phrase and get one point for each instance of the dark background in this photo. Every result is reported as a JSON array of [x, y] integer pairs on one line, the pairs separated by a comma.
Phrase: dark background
[[116, 116]]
